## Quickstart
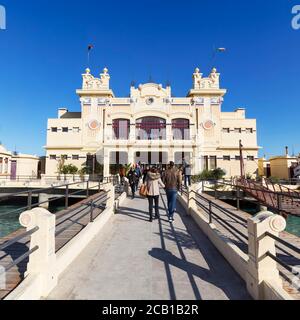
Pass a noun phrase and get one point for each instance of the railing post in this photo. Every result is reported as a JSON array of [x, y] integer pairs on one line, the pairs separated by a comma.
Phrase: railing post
[[87, 189], [42, 262], [99, 185], [210, 212], [191, 199], [29, 200], [92, 211], [67, 197], [261, 267], [279, 202], [216, 192], [238, 196]]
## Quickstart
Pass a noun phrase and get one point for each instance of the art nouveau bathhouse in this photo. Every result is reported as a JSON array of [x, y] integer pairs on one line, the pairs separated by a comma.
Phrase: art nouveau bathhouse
[[151, 126]]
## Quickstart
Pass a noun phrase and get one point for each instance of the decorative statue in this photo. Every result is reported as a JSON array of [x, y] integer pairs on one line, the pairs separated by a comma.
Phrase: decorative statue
[[213, 75], [197, 78]]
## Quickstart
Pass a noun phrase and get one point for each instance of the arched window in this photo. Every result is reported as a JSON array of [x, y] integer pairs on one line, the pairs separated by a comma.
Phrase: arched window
[[181, 129], [151, 128], [121, 129]]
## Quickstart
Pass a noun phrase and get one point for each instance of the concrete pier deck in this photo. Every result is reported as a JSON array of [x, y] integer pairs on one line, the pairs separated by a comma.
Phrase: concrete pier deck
[[135, 259]]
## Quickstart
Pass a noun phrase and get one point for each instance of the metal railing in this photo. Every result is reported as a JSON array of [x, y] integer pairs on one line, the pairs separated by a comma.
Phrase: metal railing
[[84, 191], [290, 267], [287, 256], [13, 241], [271, 198], [214, 212]]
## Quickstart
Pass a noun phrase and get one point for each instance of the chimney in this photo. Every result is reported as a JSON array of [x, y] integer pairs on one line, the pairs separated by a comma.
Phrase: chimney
[[62, 111], [286, 151]]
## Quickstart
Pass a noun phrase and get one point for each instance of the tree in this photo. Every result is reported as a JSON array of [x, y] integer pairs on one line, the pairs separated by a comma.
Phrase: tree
[[69, 169], [215, 174]]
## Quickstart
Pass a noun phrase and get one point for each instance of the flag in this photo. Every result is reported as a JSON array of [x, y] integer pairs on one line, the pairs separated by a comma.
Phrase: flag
[[221, 49]]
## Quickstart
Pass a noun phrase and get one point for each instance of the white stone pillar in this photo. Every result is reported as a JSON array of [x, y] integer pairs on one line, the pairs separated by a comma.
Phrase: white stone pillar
[[42, 261], [260, 266], [44, 197], [192, 198], [130, 155], [106, 171], [110, 194]]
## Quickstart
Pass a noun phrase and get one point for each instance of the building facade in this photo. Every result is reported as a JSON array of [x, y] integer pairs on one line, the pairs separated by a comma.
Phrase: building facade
[[14, 165], [151, 126]]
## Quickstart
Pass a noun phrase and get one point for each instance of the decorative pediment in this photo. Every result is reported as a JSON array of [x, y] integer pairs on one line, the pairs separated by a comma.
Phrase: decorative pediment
[[150, 90], [206, 85], [92, 83], [211, 82]]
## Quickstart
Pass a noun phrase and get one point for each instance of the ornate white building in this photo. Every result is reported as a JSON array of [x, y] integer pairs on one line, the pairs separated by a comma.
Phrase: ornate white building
[[151, 126]]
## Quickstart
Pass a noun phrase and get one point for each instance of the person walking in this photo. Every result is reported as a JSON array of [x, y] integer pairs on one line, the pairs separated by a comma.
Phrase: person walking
[[172, 181], [153, 182], [187, 176], [133, 180], [145, 173]]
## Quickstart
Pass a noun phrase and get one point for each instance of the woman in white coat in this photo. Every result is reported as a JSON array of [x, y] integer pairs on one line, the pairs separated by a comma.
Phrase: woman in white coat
[[153, 182]]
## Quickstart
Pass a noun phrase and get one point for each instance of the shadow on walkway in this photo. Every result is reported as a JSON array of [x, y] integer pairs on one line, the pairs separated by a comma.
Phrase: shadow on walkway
[[219, 272]]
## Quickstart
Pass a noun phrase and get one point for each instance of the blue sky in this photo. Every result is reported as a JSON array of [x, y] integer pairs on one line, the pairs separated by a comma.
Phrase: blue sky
[[43, 53]]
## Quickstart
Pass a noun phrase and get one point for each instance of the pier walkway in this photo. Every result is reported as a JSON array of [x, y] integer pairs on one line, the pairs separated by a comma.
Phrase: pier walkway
[[135, 259]]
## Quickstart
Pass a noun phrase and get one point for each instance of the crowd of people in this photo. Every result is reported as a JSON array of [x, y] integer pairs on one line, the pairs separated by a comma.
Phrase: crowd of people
[[156, 177]]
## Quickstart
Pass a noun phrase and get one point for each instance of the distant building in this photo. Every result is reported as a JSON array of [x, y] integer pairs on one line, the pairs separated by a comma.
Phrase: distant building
[[151, 126], [282, 167], [14, 164]]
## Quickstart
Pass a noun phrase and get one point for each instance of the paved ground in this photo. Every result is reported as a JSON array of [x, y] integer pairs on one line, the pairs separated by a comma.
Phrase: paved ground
[[135, 259]]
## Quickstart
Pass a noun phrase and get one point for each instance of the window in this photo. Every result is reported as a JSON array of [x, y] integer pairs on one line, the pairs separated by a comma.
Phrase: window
[[75, 157], [237, 158], [237, 130], [121, 129], [226, 130], [54, 129], [76, 129], [65, 129], [250, 158], [1, 165], [64, 156], [181, 129], [249, 130], [205, 162], [226, 158], [52, 157], [151, 128], [213, 162]]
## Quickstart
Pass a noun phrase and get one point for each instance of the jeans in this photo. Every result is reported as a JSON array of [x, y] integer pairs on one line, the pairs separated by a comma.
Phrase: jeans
[[172, 198], [133, 190], [187, 181], [156, 202]]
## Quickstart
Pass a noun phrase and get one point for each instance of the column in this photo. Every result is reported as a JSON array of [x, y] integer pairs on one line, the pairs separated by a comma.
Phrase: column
[[130, 155], [106, 171]]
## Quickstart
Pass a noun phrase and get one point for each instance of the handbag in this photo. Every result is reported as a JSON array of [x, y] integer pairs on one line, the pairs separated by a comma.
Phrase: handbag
[[143, 190]]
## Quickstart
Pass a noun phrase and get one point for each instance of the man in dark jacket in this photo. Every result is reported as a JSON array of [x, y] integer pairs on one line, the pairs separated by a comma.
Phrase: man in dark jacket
[[133, 180], [172, 180]]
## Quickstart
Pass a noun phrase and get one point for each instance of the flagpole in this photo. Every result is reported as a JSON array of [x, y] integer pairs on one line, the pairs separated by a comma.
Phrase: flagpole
[[90, 47]]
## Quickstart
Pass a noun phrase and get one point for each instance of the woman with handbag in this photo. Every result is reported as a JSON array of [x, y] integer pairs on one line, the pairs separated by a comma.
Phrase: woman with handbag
[[153, 182]]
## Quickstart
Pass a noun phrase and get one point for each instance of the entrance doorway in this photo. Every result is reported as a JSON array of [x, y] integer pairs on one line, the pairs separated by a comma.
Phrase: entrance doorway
[[13, 170], [145, 158]]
